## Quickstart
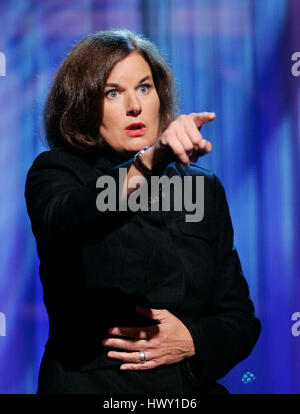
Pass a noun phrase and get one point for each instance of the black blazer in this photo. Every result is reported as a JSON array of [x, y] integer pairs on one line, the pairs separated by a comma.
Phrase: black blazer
[[96, 266]]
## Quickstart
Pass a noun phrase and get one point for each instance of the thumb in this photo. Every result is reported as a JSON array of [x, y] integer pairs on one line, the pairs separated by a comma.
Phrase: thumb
[[201, 118]]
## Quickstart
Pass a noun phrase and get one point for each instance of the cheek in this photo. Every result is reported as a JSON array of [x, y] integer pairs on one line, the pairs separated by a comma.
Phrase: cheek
[[155, 107], [110, 115]]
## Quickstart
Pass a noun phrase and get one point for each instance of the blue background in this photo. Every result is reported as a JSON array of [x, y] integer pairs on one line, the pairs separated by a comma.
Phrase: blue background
[[232, 57]]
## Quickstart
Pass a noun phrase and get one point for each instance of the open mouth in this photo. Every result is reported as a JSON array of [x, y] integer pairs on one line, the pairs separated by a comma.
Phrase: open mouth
[[136, 128]]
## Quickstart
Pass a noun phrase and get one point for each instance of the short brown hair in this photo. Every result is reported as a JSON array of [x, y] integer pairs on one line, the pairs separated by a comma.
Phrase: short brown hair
[[73, 111]]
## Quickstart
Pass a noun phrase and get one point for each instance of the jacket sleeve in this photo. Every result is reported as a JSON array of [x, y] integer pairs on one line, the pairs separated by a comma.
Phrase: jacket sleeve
[[228, 334], [62, 205]]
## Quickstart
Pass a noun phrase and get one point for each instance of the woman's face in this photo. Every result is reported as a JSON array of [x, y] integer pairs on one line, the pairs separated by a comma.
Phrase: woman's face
[[131, 106]]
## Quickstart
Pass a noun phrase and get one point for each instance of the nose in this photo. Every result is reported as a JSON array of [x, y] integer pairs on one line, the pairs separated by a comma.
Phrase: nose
[[133, 105]]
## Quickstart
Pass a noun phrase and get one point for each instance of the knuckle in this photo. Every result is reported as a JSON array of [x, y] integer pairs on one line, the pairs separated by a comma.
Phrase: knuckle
[[198, 138], [195, 141], [140, 344], [183, 155], [140, 333], [156, 343], [128, 346], [182, 151], [167, 136], [171, 125], [164, 141], [177, 151], [189, 146], [183, 117]]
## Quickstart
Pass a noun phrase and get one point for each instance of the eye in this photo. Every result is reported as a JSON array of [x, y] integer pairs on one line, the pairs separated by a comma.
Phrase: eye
[[144, 88], [113, 93]]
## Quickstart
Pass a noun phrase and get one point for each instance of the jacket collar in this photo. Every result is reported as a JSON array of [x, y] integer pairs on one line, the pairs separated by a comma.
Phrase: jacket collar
[[108, 158]]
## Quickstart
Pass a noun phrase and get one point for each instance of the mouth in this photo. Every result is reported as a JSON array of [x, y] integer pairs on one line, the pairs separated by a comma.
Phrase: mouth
[[136, 128]]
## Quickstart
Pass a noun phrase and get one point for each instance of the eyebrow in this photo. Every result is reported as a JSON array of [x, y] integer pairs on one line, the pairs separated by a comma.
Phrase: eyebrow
[[116, 85]]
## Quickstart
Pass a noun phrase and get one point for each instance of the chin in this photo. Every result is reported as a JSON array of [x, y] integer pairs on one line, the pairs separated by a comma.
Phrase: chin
[[138, 143]]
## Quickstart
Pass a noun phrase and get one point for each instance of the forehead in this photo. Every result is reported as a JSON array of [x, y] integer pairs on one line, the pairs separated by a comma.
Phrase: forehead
[[130, 69]]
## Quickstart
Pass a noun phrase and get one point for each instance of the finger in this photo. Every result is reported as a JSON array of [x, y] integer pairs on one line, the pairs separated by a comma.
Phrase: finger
[[136, 332], [183, 153], [147, 312], [183, 139], [183, 134], [157, 314], [205, 147], [126, 344], [177, 148], [194, 135], [126, 356], [134, 357], [202, 117], [140, 367]]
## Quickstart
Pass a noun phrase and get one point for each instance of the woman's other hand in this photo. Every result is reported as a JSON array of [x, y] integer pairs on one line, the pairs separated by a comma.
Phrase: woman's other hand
[[165, 343]]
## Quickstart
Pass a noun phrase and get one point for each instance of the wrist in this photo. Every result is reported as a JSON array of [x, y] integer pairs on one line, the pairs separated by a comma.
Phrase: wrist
[[147, 158], [141, 162]]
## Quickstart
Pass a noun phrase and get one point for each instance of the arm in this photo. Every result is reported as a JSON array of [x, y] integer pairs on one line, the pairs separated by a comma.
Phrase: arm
[[228, 335], [62, 207]]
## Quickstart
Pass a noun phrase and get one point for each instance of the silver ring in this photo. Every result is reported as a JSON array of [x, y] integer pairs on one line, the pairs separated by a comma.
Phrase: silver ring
[[142, 356]]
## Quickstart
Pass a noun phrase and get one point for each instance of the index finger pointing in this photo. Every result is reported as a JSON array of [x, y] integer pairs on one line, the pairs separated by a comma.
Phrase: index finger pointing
[[202, 117]]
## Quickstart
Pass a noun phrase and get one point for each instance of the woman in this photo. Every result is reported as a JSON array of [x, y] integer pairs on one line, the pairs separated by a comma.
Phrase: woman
[[138, 300]]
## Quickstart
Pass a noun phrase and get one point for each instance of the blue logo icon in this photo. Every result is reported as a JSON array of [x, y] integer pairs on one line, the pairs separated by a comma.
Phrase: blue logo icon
[[248, 377]]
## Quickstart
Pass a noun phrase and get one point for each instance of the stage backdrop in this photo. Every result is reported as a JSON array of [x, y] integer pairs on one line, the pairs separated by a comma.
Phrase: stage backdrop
[[234, 57]]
